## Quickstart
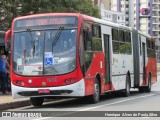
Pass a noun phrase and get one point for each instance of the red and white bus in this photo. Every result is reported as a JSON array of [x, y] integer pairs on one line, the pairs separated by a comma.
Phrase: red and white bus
[[74, 55]]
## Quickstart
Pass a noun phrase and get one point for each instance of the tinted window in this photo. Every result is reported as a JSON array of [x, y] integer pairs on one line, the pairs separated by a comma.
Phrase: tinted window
[[128, 43], [97, 41], [140, 45], [115, 41], [115, 47], [121, 41], [121, 36], [150, 48], [87, 34], [115, 34]]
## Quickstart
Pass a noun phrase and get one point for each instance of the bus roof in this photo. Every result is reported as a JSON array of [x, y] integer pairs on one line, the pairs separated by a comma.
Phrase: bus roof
[[76, 14], [110, 23], [146, 35], [97, 20], [47, 14]]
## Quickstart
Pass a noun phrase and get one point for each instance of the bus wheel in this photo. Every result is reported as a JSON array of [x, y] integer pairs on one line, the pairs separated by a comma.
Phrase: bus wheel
[[96, 96], [37, 101], [127, 90], [141, 89], [148, 87]]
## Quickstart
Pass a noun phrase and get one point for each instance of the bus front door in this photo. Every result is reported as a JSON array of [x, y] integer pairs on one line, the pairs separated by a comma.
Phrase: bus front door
[[144, 61], [107, 59]]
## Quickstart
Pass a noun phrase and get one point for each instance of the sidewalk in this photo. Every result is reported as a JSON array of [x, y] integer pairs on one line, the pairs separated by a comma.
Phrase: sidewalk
[[7, 102]]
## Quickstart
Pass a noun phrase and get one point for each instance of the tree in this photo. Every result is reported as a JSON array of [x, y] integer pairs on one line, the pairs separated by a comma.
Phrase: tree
[[9, 9]]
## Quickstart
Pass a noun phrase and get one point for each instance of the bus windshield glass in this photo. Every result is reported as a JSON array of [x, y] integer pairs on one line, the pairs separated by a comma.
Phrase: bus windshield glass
[[36, 52]]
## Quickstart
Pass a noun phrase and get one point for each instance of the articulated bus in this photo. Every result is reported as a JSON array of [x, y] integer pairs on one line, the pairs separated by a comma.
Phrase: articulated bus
[[74, 55]]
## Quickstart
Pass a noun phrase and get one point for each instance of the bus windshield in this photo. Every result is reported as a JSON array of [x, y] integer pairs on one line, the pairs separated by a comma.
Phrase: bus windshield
[[36, 52]]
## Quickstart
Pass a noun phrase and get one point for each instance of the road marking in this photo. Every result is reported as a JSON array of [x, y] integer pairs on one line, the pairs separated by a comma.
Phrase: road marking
[[103, 105], [118, 102], [42, 118], [145, 117]]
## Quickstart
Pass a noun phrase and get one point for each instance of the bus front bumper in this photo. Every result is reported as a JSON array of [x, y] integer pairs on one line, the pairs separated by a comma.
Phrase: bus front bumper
[[74, 90]]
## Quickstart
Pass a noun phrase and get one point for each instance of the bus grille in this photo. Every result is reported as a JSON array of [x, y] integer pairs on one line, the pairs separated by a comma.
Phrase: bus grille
[[53, 92]]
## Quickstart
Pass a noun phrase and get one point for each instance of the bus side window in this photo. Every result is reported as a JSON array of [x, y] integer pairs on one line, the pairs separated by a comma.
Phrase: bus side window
[[140, 44], [150, 49], [81, 53], [128, 43], [87, 40], [97, 41], [115, 41], [122, 47]]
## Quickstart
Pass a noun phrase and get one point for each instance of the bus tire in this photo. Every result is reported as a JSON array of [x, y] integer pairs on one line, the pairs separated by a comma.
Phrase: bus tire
[[141, 89], [37, 101], [96, 95], [148, 87], [127, 89]]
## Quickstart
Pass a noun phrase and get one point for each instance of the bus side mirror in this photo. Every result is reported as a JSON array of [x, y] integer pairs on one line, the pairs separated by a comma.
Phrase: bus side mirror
[[8, 40]]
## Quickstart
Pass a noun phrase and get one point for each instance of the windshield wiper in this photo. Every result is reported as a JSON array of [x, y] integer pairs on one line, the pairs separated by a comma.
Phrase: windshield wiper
[[32, 41], [56, 37]]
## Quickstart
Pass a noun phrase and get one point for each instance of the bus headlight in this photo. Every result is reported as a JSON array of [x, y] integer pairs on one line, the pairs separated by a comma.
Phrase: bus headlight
[[30, 81], [69, 81], [66, 81], [19, 83]]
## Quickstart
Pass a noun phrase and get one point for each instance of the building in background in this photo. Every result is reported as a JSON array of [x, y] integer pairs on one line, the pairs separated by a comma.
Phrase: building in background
[[107, 14], [155, 24], [121, 6], [116, 17], [143, 15]]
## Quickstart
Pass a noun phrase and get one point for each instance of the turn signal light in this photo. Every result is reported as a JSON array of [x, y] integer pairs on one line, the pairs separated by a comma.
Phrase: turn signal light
[[18, 82], [66, 81], [69, 81]]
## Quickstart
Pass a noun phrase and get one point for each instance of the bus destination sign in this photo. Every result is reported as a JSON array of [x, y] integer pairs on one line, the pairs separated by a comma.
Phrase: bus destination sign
[[43, 21]]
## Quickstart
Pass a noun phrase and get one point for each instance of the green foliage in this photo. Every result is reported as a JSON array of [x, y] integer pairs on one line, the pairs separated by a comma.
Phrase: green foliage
[[9, 9]]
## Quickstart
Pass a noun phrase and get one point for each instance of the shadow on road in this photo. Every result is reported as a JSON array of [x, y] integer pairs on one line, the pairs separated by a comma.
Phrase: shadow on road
[[70, 103]]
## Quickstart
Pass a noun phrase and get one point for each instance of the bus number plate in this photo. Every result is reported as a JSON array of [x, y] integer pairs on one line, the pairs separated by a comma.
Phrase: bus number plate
[[43, 91]]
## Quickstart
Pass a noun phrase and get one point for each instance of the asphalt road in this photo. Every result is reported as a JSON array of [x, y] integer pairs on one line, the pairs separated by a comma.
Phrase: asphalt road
[[80, 107]]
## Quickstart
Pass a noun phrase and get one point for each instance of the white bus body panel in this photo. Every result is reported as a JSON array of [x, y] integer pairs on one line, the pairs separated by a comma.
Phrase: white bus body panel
[[120, 63], [143, 40]]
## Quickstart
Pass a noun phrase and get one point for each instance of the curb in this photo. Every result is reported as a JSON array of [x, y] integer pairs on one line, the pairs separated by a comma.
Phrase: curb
[[17, 104], [13, 105]]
